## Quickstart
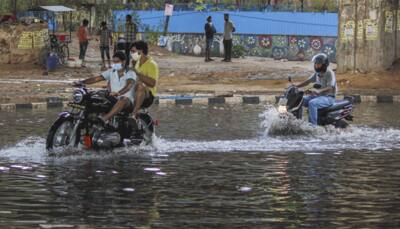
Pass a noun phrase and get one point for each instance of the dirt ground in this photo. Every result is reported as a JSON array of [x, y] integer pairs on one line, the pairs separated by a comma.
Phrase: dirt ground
[[179, 74]]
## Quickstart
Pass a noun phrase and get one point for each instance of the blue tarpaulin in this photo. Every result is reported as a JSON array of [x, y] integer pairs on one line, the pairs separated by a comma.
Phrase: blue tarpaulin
[[271, 23], [47, 13]]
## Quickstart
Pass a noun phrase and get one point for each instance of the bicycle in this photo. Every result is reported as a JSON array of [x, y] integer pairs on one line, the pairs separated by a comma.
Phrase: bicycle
[[60, 48]]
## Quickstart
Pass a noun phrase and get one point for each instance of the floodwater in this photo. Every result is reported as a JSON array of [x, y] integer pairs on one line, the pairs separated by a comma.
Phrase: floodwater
[[210, 167]]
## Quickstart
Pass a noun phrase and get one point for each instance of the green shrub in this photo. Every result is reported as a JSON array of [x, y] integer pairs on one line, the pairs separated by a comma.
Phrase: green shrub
[[231, 7], [238, 51], [152, 37]]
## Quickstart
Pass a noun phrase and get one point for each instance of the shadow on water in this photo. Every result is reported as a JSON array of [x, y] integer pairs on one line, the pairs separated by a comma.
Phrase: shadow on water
[[210, 167]]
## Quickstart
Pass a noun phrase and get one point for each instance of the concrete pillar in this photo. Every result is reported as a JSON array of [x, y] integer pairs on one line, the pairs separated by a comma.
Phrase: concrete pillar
[[368, 35]]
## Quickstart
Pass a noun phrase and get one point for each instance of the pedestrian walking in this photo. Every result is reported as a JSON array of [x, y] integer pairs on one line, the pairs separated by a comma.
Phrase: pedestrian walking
[[83, 40]]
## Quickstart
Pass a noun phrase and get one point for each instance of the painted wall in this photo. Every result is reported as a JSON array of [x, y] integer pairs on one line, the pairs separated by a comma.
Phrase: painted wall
[[369, 38], [22, 44], [277, 47]]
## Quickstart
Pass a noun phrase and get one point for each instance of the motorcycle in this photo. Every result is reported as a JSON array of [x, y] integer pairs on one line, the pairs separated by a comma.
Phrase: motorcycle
[[337, 115], [81, 125]]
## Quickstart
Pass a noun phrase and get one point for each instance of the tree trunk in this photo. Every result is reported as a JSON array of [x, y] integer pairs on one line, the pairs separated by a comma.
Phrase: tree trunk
[[302, 5]]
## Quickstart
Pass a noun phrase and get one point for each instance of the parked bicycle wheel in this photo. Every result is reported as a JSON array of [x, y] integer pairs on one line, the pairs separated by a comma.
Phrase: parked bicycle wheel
[[63, 54]]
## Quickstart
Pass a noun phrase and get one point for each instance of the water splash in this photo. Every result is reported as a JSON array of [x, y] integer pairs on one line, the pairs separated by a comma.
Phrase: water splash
[[28, 149], [277, 124], [285, 133], [280, 134]]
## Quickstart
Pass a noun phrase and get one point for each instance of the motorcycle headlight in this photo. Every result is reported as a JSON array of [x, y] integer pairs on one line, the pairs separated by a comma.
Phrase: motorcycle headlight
[[77, 96]]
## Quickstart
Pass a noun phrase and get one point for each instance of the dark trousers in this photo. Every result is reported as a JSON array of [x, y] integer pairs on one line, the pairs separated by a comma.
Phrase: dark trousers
[[128, 47], [82, 49], [227, 49], [105, 52]]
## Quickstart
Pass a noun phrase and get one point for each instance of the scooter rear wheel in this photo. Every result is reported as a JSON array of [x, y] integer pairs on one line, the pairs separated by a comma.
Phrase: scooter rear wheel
[[341, 124]]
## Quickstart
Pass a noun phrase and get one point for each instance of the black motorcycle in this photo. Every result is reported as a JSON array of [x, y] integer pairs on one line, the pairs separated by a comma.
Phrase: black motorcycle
[[337, 115], [81, 125]]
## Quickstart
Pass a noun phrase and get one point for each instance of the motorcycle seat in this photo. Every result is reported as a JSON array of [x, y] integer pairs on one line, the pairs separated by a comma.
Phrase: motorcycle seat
[[339, 104]]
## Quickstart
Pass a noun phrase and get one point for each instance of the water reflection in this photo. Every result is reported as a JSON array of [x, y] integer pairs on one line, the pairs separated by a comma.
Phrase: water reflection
[[350, 189]]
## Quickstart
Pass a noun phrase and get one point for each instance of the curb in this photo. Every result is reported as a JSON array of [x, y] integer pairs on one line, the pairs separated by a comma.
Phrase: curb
[[53, 102]]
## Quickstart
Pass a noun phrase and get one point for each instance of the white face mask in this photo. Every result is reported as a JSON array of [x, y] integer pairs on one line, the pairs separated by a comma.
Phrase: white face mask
[[117, 66], [135, 56]]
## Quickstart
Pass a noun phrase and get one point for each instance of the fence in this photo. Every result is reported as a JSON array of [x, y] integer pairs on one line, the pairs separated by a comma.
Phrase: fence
[[292, 36]]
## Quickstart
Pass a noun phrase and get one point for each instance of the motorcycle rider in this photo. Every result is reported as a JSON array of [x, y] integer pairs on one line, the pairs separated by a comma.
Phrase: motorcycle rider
[[325, 95], [121, 83], [146, 70]]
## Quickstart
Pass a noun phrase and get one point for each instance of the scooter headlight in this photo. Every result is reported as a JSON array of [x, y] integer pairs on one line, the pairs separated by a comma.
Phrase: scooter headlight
[[77, 96], [282, 105], [282, 109]]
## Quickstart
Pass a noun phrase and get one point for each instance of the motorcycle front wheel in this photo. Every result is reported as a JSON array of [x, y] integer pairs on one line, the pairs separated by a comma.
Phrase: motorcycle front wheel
[[60, 135]]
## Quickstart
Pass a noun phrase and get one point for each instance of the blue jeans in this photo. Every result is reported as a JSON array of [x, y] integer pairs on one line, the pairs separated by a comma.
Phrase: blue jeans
[[314, 103]]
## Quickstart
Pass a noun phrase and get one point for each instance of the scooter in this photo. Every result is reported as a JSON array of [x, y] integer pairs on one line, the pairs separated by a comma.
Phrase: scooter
[[337, 115]]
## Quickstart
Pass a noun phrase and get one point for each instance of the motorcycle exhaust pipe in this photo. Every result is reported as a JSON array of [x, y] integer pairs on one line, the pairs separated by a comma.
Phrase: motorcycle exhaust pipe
[[108, 140]]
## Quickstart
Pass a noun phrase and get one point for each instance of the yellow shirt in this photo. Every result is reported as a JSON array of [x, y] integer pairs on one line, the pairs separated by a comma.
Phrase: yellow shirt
[[150, 69]]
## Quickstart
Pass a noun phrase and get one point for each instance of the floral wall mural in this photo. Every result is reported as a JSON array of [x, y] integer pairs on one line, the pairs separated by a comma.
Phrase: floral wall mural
[[277, 47]]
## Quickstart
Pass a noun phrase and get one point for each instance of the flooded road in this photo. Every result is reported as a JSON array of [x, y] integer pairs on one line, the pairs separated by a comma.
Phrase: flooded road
[[209, 167]]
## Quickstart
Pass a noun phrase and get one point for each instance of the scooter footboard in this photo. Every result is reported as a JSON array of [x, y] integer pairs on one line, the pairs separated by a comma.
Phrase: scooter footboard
[[343, 113]]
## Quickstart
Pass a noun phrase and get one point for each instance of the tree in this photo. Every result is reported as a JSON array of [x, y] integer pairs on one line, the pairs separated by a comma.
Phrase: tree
[[13, 4]]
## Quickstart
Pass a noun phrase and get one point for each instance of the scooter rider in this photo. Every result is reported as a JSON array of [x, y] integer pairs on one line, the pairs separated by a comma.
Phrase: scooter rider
[[325, 95]]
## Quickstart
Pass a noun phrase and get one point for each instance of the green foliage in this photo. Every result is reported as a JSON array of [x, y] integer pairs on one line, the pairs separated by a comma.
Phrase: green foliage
[[152, 37], [200, 8], [152, 34], [231, 7], [324, 5], [6, 6], [199, 5], [238, 51]]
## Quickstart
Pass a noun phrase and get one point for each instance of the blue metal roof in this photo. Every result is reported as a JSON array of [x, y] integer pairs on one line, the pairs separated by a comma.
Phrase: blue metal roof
[[271, 23]]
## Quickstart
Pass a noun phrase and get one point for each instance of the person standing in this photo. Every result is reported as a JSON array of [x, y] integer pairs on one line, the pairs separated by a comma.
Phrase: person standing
[[130, 36], [83, 40], [209, 31], [229, 28], [105, 42]]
